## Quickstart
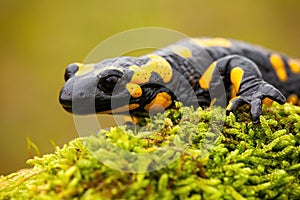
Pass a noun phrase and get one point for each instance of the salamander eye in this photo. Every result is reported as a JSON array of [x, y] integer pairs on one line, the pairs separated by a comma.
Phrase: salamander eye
[[71, 70], [107, 84]]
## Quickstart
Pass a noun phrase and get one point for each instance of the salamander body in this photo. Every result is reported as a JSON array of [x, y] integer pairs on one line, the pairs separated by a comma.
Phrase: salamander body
[[193, 70]]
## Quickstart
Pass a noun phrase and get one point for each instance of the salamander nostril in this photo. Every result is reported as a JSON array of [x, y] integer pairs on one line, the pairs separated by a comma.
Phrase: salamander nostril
[[81, 94]]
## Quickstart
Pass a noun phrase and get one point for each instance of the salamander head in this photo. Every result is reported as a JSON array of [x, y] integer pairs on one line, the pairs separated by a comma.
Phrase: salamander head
[[117, 85]]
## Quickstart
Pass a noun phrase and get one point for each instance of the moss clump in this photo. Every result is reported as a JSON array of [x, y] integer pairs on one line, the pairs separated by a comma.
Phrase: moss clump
[[244, 161]]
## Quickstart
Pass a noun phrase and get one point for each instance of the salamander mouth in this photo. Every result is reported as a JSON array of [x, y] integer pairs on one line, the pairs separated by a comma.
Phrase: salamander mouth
[[85, 107], [67, 108], [94, 105], [84, 110]]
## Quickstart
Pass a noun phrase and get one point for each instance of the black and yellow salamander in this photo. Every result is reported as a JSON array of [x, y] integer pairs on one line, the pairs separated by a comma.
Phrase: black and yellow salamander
[[248, 74]]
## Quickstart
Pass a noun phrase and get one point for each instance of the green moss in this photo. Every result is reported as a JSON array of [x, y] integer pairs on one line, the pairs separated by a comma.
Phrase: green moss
[[240, 161]]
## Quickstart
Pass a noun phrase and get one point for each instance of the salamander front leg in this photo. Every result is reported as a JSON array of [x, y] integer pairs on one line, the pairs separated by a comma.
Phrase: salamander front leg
[[254, 97], [247, 84]]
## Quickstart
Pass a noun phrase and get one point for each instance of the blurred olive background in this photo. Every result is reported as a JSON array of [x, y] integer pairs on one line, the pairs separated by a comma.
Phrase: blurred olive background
[[40, 38]]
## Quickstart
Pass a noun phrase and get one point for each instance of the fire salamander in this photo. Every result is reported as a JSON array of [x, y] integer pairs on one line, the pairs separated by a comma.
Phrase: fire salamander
[[248, 73]]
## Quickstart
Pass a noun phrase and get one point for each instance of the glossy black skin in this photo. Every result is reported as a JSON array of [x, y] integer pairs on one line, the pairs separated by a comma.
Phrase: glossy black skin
[[80, 93], [260, 80], [260, 56]]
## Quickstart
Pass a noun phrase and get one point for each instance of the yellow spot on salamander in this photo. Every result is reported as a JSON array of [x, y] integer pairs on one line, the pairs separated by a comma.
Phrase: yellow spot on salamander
[[205, 79], [134, 67], [121, 109], [160, 102], [294, 65], [229, 105], [267, 101], [134, 119], [233, 92], [134, 90], [278, 66], [156, 64], [141, 74], [181, 50], [84, 69], [293, 98], [236, 76], [212, 42], [230, 102], [161, 66]]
